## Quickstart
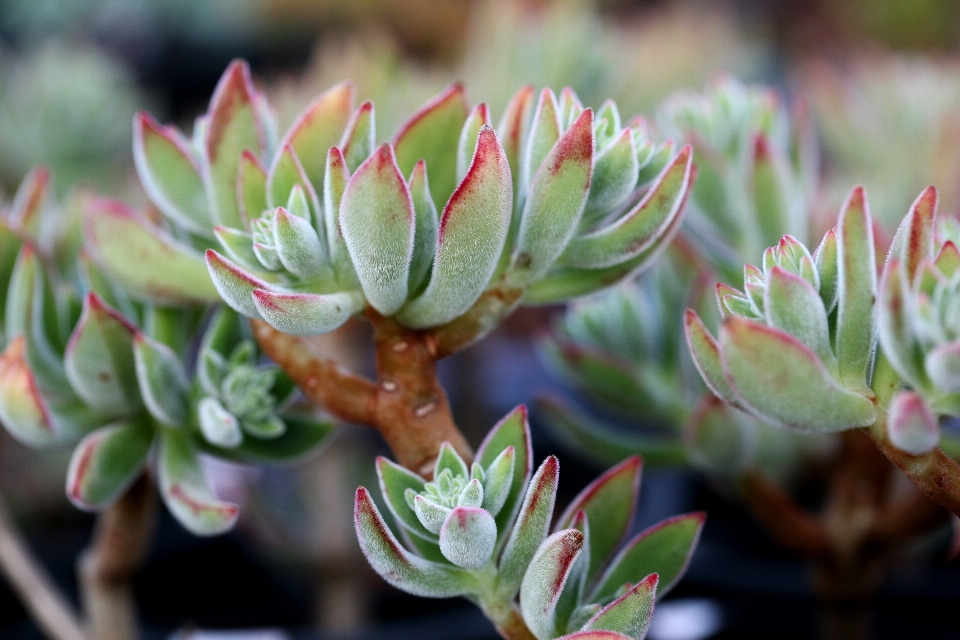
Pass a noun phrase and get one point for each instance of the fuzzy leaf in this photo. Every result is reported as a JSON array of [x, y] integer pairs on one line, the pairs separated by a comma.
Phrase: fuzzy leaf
[[431, 134], [149, 264], [770, 190], [234, 126], [467, 144], [303, 435], [545, 579], [377, 220], [394, 482], [298, 247], [472, 494], [513, 430], [499, 480], [512, 132], [431, 515], [706, 357], [286, 175], [251, 188], [334, 184], [609, 503], [162, 380], [792, 305], [473, 229], [106, 462], [448, 458], [305, 314], [319, 127], [359, 138], [169, 174], [99, 359], [943, 366], [395, 564], [219, 426], [641, 227], [530, 528], [596, 635], [28, 202], [894, 329], [238, 245], [614, 176], [827, 268], [545, 130], [23, 410], [913, 242], [664, 549], [630, 614], [468, 536], [427, 228], [235, 285], [776, 376], [185, 490], [856, 291], [554, 204], [911, 426]]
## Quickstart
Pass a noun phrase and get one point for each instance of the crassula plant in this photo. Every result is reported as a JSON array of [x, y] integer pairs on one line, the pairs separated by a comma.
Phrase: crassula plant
[[484, 532], [434, 237]]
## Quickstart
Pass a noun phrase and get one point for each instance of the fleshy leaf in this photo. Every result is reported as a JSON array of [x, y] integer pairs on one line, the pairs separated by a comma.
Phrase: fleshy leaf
[[706, 356], [430, 514], [545, 130], [630, 614], [609, 503], [776, 376], [513, 430], [499, 480], [770, 190], [234, 126], [545, 579], [235, 286], [185, 491], [473, 229], [219, 426], [431, 135], [99, 359], [169, 174], [394, 482], [512, 132], [911, 426], [23, 411], [251, 187], [827, 268], [287, 174], [395, 564], [913, 242], [791, 304], [468, 537], [427, 228], [162, 380], [448, 458], [28, 202], [306, 314], [554, 204], [531, 527], [664, 549], [303, 435], [377, 220], [894, 329], [614, 176], [943, 366], [856, 291], [148, 263], [467, 144], [359, 138], [641, 227], [106, 462], [298, 246], [319, 127]]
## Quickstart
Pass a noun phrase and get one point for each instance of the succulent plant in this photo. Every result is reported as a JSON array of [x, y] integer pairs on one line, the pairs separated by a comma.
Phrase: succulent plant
[[482, 532], [918, 325], [76, 368]]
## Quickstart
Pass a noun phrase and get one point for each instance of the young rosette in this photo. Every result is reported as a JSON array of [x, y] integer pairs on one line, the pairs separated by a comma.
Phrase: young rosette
[[481, 531], [796, 344], [445, 227], [918, 322]]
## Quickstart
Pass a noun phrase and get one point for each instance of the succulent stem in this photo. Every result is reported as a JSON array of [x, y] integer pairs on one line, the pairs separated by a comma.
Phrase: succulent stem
[[407, 404], [48, 608], [935, 473], [120, 542]]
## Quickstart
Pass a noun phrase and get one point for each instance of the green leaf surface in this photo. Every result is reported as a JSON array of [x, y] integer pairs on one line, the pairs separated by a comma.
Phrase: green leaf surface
[[791, 304], [557, 194], [431, 134], [169, 174], [23, 410], [107, 462], [705, 353], [143, 259], [777, 377], [396, 565], [427, 228], [298, 246], [664, 549], [545, 580], [251, 188], [162, 380], [185, 490], [513, 430], [306, 314], [894, 330], [545, 130], [468, 537], [319, 127], [394, 482], [99, 359], [377, 220], [360, 136], [615, 173], [473, 229], [234, 285], [512, 132], [631, 613], [467, 143]]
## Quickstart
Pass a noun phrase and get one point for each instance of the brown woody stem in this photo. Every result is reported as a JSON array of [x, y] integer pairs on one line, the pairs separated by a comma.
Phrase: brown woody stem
[[789, 524], [120, 542], [45, 603]]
